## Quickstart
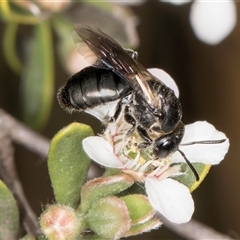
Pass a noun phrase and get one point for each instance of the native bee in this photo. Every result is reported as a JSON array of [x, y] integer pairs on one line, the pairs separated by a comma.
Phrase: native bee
[[149, 105]]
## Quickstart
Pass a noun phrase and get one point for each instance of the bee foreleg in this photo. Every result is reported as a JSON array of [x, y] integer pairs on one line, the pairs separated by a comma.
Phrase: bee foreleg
[[144, 135], [129, 119], [133, 54]]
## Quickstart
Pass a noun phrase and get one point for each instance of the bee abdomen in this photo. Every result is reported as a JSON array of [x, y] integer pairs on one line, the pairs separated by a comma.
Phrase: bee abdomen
[[92, 87]]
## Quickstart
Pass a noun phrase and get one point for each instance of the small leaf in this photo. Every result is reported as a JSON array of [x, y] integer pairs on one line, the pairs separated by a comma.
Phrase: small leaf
[[108, 217], [68, 164], [9, 215], [189, 179], [38, 78], [9, 47], [101, 187]]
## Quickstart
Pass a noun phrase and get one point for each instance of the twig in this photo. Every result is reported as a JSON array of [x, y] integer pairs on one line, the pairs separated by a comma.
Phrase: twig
[[194, 230], [22, 135], [9, 176]]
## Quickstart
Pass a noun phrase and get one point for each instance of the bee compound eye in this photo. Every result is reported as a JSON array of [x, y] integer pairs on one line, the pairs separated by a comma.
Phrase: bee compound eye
[[163, 147]]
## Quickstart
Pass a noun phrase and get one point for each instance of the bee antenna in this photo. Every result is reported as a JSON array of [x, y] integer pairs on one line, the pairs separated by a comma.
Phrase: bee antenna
[[204, 142], [189, 164]]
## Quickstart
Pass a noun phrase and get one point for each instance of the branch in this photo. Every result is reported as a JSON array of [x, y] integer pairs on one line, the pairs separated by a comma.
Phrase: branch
[[9, 175], [22, 135], [194, 230]]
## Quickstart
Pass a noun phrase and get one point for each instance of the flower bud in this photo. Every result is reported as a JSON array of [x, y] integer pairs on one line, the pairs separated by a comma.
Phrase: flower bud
[[109, 218], [103, 186], [140, 210], [59, 222]]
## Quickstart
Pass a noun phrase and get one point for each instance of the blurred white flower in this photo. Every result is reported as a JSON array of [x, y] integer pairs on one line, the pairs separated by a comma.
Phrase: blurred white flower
[[213, 21], [176, 2]]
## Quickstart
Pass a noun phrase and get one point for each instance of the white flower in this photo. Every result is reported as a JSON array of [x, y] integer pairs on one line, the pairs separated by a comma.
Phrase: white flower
[[172, 199]]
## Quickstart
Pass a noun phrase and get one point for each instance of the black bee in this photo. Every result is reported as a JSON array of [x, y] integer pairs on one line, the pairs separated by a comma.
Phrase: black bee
[[115, 74]]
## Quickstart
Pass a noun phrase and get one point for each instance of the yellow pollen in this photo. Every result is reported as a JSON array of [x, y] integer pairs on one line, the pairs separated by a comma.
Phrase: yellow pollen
[[133, 149], [141, 160]]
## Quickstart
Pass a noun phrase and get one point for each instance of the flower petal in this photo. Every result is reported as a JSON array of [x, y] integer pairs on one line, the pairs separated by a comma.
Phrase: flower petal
[[104, 110], [101, 151], [171, 198], [202, 153], [165, 78]]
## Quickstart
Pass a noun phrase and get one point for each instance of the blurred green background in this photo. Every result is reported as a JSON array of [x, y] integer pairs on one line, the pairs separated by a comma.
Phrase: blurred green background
[[208, 78]]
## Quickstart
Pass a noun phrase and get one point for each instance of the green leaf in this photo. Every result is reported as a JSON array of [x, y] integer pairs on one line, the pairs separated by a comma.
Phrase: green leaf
[[19, 12], [9, 48], [189, 179], [9, 215], [38, 78], [68, 164]]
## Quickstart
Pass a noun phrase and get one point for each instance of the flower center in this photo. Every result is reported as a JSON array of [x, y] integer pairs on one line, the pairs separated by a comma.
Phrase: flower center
[[135, 159]]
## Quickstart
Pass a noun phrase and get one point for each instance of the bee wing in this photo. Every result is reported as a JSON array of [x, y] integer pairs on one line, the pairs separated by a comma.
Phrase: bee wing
[[102, 51]]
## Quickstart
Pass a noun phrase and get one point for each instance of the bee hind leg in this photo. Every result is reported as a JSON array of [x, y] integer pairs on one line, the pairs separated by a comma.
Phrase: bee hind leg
[[111, 119]]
